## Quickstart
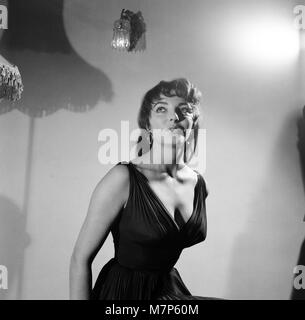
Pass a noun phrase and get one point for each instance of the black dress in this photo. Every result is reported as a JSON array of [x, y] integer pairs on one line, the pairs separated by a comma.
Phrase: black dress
[[148, 243]]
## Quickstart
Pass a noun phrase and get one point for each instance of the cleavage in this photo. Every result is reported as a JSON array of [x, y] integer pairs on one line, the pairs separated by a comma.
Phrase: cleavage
[[174, 198]]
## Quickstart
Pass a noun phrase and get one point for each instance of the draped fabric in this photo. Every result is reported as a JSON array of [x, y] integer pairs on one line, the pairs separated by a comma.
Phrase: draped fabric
[[148, 242]]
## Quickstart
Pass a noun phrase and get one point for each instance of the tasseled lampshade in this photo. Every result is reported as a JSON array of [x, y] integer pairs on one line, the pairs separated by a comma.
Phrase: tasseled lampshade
[[11, 85], [121, 35], [129, 32]]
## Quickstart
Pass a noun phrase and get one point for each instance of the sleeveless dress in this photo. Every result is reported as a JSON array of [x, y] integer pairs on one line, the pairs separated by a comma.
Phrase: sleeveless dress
[[148, 243]]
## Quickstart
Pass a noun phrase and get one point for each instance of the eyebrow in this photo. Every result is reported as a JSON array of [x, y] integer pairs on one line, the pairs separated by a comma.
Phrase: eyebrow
[[165, 103], [162, 102]]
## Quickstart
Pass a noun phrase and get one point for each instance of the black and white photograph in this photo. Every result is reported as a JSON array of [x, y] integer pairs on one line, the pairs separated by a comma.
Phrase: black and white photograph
[[152, 150]]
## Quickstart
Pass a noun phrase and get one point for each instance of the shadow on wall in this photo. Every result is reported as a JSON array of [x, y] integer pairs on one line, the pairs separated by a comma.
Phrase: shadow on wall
[[299, 294], [263, 254], [54, 76], [14, 240]]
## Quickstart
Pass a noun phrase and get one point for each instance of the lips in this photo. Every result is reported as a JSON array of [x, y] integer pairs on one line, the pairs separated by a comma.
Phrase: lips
[[177, 127]]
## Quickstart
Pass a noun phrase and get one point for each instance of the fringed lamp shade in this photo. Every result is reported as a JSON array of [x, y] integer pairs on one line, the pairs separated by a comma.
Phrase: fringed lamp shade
[[11, 85], [129, 32], [121, 35]]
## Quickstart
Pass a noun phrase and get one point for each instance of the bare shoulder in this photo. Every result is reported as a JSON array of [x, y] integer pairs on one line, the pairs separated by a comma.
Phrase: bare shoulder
[[198, 178], [191, 174], [118, 175], [114, 184]]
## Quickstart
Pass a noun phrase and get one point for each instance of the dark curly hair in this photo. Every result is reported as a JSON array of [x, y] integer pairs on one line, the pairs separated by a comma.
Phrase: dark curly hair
[[180, 87]]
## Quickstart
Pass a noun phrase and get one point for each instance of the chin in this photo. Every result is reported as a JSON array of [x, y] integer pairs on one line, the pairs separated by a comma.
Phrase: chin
[[179, 141], [174, 138]]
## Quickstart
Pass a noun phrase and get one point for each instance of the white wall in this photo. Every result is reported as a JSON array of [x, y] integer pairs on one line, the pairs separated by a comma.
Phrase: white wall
[[252, 99]]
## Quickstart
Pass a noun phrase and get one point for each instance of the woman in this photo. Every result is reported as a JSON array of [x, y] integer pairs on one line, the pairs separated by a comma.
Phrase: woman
[[154, 206]]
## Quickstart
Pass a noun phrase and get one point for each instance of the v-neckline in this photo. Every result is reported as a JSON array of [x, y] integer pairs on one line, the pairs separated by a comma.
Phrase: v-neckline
[[166, 211]]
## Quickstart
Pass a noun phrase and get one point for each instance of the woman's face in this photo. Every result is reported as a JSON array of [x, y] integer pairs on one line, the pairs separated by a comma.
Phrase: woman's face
[[173, 117]]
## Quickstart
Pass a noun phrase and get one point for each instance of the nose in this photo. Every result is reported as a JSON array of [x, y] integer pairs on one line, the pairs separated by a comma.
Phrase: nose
[[177, 116], [174, 117]]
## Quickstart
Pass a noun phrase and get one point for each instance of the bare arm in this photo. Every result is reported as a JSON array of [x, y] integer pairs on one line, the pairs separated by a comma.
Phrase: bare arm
[[107, 199]]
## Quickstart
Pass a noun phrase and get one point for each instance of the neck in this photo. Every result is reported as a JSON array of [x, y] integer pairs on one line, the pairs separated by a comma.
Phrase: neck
[[165, 158]]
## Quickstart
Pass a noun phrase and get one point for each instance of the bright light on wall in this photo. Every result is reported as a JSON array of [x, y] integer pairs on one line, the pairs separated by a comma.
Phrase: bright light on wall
[[266, 42]]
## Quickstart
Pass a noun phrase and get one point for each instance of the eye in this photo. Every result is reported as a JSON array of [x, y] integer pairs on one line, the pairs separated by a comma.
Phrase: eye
[[186, 109], [160, 109]]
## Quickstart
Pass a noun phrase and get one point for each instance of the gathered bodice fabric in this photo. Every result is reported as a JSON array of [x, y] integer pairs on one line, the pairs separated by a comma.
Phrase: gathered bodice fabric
[[148, 242]]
